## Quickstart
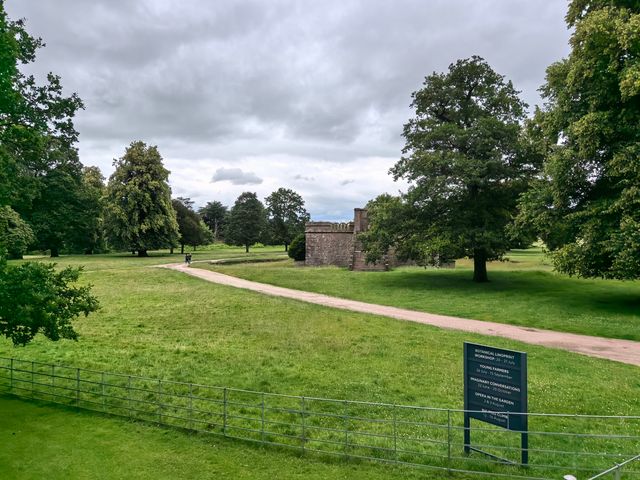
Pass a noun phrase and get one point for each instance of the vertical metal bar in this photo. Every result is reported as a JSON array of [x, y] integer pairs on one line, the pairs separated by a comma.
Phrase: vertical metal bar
[[449, 440], [346, 428], [224, 412], [160, 401], [191, 426], [77, 387], [618, 473], [11, 375], [262, 420], [129, 396], [395, 433], [104, 397], [467, 419], [53, 383], [32, 380], [302, 414]]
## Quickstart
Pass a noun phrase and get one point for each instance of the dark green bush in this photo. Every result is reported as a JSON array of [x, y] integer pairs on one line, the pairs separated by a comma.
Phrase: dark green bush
[[297, 248]]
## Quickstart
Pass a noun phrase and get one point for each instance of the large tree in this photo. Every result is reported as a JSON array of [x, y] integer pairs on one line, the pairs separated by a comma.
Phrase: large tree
[[287, 215], [247, 221], [140, 216], [464, 162], [193, 231], [587, 205], [214, 215], [36, 139]]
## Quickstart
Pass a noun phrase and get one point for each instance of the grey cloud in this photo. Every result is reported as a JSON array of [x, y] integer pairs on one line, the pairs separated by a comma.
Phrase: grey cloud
[[320, 82], [302, 177], [346, 182], [236, 176]]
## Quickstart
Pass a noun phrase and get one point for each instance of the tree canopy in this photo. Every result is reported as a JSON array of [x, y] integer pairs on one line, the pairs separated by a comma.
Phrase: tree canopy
[[140, 216], [464, 161], [214, 214], [287, 215], [193, 231], [587, 205], [247, 221]]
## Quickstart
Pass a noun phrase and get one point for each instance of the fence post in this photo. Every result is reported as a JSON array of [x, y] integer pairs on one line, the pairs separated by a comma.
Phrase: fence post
[[104, 398], [449, 441], [395, 433], [304, 433], [160, 401], [53, 383], [224, 412], [129, 396], [262, 420], [618, 474], [77, 387], [191, 406], [346, 428], [32, 380], [11, 376]]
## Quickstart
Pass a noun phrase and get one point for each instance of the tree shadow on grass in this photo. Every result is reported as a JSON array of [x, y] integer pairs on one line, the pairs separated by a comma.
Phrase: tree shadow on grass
[[564, 293]]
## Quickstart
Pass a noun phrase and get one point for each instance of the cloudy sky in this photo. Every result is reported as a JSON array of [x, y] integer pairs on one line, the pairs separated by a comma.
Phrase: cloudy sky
[[254, 95]]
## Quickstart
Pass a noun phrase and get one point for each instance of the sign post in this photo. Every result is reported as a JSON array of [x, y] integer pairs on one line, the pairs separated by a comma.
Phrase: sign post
[[495, 391]]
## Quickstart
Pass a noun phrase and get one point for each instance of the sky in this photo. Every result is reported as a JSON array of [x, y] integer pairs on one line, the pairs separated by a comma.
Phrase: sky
[[255, 95]]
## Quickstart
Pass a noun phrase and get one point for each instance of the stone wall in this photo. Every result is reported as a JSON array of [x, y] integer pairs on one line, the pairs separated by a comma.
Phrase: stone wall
[[329, 243]]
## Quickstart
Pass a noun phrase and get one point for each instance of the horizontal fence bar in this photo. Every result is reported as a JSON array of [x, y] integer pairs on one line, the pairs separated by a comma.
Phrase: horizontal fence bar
[[418, 436]]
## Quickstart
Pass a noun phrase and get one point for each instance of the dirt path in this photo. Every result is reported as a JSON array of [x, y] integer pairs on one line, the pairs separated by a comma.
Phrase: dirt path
[[625, 351]]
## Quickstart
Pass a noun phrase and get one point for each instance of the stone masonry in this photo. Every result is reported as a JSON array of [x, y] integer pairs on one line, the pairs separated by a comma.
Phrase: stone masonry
[[329, 243]]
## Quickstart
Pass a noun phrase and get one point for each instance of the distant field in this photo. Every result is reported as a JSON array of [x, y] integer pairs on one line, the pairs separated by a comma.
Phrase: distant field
[[164, 324], [521, 291]]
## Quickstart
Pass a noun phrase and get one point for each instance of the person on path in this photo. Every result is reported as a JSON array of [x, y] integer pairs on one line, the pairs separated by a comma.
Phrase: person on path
[[188, 259]]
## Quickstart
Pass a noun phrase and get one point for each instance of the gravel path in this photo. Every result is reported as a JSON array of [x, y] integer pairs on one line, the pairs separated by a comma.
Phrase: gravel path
[[625, 351]]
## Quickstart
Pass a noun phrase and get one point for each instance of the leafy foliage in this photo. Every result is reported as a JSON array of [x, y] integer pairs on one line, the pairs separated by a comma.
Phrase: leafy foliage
[[287, 215], [140, 216], [214, 214], [587, 206], [34, 298], [15, 233], [298, 247], [465, 160], [193, 231], [247, 221]]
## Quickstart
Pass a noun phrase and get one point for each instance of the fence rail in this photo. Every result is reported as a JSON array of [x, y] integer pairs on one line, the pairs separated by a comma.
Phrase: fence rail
[[581, 445]]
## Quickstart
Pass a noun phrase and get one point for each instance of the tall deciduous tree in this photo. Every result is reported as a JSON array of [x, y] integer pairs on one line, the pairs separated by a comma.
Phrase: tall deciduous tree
[[247, 221], [193, 231], [287, 215], [214, 215], [140, 216], [587, 206], [465, 167]]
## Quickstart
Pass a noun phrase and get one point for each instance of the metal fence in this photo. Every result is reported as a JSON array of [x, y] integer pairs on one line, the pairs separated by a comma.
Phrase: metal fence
[[581, 445]]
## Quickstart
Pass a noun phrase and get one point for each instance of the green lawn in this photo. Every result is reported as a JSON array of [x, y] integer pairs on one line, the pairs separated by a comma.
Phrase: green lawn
[[164, 324], [521, 291], [45, 442]]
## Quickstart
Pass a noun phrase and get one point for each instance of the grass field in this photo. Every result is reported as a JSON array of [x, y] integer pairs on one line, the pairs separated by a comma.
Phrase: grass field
[[164, 324], [521, 291]]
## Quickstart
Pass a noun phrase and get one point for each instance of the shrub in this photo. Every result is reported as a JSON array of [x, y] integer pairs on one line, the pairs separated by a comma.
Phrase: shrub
[[297, 248]]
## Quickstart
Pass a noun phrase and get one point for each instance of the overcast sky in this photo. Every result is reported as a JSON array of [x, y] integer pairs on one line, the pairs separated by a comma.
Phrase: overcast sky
[[256, 95]]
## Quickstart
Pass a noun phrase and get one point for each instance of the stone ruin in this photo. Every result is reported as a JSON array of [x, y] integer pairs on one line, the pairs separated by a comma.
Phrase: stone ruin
[[329, 243]]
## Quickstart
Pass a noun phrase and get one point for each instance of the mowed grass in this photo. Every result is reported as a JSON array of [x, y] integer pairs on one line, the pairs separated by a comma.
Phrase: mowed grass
[[164, 324], [51, 442], [522, 291]]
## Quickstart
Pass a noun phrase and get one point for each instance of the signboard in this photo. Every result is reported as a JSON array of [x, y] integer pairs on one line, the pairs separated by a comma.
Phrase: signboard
[[495, 390]]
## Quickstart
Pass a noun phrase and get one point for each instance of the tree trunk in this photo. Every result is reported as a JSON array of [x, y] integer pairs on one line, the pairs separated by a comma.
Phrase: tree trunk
[[182, 249], [142, 253], [171, 250], [246, 248], [286, 247], [55, 252], [480, 265]]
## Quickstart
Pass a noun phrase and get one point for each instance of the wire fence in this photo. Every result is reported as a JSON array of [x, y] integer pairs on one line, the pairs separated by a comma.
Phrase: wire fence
[[581, 445]]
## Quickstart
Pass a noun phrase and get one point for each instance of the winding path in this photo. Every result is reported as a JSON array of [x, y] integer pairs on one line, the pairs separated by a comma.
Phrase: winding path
[[625, 351]]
